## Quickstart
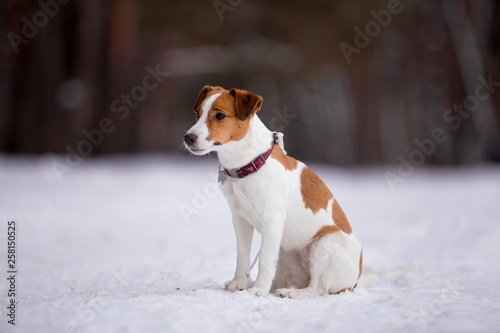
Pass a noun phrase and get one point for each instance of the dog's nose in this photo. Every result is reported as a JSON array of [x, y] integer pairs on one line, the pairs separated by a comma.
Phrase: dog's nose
[[189, 139]]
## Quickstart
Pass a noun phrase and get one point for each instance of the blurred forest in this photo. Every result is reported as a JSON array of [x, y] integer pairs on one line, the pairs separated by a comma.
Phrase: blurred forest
[[416, 66]]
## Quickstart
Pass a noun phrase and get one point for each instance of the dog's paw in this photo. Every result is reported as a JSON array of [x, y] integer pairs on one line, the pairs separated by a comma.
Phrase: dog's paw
[[235, 285], [258, 292], [286, 293], [297, 293]]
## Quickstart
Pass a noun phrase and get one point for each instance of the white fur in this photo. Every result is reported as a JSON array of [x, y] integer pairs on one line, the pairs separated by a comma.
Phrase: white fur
[[270, 201], [200, 129]]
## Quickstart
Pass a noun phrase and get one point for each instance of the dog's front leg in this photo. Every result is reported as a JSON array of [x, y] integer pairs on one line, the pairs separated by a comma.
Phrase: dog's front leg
[[244, 234], [272, 232]]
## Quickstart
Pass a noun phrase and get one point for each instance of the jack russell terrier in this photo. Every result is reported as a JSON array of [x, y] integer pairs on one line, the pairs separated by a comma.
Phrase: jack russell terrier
[[307, 247]]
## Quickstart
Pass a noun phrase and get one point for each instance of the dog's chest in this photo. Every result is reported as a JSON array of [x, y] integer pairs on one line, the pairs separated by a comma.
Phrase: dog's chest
[[245, 200]]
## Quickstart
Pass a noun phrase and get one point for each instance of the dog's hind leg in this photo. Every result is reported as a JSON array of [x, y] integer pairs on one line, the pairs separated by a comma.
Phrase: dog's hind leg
[[292, 270], [309, 291], [333, 264]]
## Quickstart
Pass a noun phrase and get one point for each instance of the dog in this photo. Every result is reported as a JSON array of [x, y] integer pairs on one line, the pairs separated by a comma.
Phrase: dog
[[307, 246]]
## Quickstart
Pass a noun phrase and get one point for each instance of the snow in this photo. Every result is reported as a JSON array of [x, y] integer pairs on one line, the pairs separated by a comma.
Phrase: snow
[[108, 250]]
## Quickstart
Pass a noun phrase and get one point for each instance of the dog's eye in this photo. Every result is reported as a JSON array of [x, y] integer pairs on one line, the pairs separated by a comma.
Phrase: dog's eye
[[197, 114], [220, 116]]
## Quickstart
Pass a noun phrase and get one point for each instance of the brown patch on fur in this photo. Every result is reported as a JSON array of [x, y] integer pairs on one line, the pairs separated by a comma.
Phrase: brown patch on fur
[[245, 103], [339, 218], [206, 92], [327, 229], [341, 291], [231, 128], [288, 162], [238, 106], [360, 265], [315, 193]]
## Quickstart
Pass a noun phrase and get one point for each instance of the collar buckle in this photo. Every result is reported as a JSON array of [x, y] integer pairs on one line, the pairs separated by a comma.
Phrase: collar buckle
[[232, 173]]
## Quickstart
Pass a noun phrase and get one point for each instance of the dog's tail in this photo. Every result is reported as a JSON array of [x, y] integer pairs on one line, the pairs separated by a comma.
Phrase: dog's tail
[[367, 279]]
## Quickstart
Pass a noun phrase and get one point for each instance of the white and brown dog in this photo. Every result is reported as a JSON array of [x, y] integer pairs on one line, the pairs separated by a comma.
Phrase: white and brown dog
[[307, 247]]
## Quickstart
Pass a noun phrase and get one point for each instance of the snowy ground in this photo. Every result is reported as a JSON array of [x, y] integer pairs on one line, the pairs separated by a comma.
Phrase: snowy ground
[[108, 250]]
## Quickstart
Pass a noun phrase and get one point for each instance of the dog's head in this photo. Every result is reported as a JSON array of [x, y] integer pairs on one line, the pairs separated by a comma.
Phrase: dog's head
[[222, 116]]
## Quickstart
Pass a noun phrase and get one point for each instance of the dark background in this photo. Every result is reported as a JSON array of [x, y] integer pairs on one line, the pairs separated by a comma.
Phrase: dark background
[[83, 55]]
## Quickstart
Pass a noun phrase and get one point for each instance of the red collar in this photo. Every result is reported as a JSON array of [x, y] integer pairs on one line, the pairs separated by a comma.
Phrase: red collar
[[252, 167]]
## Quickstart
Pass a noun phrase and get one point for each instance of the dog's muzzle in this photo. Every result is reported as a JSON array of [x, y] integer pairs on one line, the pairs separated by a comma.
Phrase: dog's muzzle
[[190, 139]]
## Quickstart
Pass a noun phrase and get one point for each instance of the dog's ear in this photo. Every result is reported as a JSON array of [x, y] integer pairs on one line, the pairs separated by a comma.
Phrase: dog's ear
[[202, 95], [245, 103]]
